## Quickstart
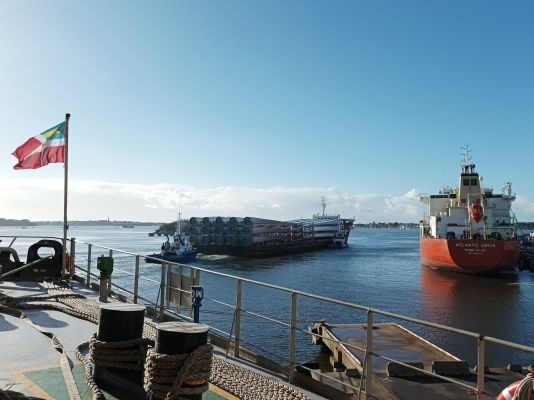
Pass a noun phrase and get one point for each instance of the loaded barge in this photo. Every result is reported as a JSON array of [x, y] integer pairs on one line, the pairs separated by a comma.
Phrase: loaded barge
[[258, 237]]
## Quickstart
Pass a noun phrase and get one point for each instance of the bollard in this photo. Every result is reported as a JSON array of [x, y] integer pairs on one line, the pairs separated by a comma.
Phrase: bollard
[[179, 338], [120, 322], [197, 294]]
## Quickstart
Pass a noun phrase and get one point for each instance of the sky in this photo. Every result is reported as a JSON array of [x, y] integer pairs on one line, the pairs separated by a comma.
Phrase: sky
[[260, 108]]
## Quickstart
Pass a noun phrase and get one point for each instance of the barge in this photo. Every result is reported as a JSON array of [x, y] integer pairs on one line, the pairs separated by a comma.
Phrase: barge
[[258, 237]]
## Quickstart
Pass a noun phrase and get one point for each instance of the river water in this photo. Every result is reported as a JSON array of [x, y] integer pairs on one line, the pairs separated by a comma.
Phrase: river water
[[380, 269]]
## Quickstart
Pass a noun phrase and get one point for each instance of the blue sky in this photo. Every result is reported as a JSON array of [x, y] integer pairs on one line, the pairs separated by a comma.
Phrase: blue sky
[[261, 108]]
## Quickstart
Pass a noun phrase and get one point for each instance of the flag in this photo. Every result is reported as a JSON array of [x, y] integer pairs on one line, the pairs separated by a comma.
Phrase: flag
[[38, 151]]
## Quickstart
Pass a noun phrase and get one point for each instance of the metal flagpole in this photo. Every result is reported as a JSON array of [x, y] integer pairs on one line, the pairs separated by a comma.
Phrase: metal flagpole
[[65, 227]]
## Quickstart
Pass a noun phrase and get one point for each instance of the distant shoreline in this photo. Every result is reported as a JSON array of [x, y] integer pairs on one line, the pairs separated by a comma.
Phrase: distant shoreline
[[372, 225], [26, 222]]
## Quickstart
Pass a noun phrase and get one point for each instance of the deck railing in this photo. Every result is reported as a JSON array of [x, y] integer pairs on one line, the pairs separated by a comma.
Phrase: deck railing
[[161, 306]]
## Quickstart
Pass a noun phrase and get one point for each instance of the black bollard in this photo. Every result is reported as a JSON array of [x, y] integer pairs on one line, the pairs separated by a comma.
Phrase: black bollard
[[120, 322], [179, 338]]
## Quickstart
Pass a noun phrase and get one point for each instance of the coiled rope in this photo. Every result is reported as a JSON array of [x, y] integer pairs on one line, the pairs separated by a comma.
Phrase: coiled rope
[[250, 385], [127, 354], [168, 376], [525, 389]]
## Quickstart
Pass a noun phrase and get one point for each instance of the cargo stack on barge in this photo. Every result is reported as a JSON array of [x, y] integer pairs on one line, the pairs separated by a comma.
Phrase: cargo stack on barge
[[251, 236]]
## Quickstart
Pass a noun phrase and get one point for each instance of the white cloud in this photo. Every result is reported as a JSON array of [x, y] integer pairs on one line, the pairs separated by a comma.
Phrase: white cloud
[[524, 209], [408, 204], [42, 199]]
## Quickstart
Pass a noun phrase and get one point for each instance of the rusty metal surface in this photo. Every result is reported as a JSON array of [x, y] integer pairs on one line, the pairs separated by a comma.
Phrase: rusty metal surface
[[424, 388], [393, 341], [389, 340]]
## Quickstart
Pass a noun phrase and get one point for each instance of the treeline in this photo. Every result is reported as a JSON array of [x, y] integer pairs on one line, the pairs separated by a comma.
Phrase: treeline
[[525, 225], [16, 222], [388, 225], [100, 222], [412, 225]]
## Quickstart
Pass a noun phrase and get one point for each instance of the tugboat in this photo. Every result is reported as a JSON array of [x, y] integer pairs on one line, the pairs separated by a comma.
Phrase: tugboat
[[470, 228], [180, 250]]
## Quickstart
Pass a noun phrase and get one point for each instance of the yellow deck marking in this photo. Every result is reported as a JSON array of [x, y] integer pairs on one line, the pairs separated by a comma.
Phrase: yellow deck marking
[[36, 390], [222, 393]]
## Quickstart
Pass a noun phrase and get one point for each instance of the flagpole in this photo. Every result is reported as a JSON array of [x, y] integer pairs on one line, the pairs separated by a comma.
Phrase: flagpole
[[65, 191]]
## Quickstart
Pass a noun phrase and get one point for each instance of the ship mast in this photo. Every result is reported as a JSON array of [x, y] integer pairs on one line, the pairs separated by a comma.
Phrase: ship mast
[[466, 162], [178, 224], [323, 204]]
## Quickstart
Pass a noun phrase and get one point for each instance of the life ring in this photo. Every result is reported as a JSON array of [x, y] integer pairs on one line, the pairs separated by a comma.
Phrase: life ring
[[508, 392]]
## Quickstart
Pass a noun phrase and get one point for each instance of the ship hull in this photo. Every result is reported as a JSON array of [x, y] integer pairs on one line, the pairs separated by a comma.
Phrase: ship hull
[[470, 255]]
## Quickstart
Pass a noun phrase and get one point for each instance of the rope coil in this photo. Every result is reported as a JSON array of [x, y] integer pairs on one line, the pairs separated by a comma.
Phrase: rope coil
[[525, 390], [249, 385], [166, 376], [128, 354]]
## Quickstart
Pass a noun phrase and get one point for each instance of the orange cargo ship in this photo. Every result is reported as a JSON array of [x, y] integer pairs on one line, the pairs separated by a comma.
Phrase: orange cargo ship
[[470, 228]]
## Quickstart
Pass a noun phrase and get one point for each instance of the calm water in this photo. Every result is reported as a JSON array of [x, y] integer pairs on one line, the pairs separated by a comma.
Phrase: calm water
[[380, 269]]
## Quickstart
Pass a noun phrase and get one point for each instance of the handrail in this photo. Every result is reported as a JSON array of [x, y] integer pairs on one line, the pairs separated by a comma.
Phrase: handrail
[[162, 305]]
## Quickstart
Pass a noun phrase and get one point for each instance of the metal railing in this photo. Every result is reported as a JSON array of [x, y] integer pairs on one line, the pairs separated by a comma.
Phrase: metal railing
[[161, 306]]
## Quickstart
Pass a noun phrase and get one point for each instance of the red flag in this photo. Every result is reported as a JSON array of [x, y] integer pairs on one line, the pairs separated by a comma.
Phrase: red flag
[[38, 151]]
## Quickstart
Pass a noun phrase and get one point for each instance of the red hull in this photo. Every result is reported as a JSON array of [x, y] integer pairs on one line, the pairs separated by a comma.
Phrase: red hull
[[470, 255]]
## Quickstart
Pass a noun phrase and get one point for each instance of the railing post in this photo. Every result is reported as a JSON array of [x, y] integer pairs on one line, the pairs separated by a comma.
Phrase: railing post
[[72, 256], [89, 250], [480, 366], [109, 279], [168, 286], [293, 338], [162, 292], [368, 367], [136, 279], [237, 334]]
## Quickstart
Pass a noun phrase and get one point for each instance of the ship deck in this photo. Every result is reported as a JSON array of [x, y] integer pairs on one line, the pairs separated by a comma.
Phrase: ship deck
[[393, 341], [30, 364]]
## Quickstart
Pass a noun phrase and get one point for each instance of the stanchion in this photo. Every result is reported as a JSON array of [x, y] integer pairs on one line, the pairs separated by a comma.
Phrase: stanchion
[[120, 322]]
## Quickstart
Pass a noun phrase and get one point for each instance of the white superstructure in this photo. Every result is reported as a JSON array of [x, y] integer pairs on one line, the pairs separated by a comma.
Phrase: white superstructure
[[470, 210]]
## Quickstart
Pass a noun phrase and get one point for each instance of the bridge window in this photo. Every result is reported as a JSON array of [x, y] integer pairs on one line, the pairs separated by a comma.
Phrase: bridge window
[[466, 182], [474, 182]]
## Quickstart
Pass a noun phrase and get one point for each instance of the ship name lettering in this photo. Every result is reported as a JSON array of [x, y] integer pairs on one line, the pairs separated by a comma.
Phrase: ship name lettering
[[475, 245]]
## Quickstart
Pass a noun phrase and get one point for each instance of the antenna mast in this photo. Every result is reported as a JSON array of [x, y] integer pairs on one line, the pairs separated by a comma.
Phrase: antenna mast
[[467, 158]]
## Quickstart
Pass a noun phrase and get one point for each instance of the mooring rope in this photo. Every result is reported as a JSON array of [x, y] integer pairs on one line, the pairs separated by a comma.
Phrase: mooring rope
[[127, 354], [171, 376], [525, 389], [88, 371], [250, 385]]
